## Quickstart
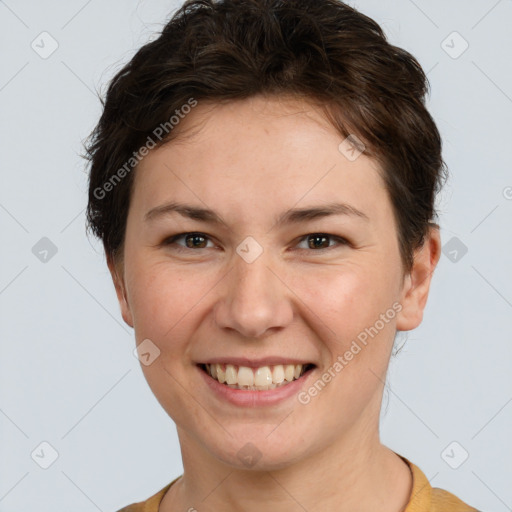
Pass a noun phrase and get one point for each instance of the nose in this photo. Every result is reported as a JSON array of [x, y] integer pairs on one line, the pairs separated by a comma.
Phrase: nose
[[254, 299]]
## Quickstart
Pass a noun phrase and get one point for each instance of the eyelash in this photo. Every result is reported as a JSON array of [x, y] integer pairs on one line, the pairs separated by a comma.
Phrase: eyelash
[[171, 241]]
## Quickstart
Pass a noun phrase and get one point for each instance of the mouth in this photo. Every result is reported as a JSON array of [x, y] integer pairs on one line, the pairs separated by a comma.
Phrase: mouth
[[263, 378]]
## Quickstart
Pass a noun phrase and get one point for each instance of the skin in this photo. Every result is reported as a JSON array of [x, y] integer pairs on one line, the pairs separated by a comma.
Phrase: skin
[[250, 160]]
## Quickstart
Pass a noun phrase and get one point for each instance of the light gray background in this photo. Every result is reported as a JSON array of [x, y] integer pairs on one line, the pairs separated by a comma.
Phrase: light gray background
[[68, 375]]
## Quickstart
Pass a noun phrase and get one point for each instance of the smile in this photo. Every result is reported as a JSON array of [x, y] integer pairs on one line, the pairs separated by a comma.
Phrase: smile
[[262, 378]]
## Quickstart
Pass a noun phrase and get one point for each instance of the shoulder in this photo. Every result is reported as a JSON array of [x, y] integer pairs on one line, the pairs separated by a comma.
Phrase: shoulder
[[135, 507], [425, 498], [151, 504], [445, 501]]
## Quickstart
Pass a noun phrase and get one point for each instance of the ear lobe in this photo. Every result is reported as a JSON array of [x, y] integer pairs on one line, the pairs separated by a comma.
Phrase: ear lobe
[[417, 282], [117, 274]]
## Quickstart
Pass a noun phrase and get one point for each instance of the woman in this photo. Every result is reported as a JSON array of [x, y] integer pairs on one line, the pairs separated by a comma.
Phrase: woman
[[263, 180]]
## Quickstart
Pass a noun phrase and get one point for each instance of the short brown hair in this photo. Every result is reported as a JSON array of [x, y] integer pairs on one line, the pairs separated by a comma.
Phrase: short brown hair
[[321, 50]]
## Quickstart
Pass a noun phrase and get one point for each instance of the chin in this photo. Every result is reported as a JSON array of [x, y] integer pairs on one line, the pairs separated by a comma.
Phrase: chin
[[257, 449]]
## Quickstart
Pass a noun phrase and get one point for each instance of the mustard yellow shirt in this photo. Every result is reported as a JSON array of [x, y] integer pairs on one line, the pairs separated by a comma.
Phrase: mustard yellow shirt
[[423, 497]]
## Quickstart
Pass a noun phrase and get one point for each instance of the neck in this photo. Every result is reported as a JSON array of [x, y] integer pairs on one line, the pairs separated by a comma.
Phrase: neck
[[355, 473]]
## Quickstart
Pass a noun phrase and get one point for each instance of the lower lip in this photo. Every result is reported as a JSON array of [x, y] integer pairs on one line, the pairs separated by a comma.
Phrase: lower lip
[[246, 398]]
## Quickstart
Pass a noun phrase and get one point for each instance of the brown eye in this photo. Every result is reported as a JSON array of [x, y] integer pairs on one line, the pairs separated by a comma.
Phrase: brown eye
[[320, 241], [316, 241], [192, 241]]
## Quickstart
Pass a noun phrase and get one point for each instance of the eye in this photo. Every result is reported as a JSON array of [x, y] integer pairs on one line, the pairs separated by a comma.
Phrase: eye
[[196, 240], [192, 241], [317, 240]]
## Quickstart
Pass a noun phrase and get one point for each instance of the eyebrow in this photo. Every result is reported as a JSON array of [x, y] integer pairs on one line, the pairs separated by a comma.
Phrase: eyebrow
[[292, 216]]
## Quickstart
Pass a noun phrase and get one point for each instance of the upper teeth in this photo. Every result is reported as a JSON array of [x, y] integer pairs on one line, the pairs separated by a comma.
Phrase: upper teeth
[[262, 376]]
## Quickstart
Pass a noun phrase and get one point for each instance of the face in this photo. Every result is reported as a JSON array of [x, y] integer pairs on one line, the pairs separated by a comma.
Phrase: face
[[263, 282]]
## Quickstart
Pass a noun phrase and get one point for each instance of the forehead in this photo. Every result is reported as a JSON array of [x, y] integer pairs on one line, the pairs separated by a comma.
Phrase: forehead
[[248, 155]]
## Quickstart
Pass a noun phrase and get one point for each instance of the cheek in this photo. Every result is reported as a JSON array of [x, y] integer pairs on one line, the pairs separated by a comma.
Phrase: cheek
[[164, 304], [162, 300], [358, 342], [350, 302], [349, 297]]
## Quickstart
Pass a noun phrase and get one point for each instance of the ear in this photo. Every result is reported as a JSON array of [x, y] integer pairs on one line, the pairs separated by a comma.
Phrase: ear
[[117, 273], [417, 282]]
